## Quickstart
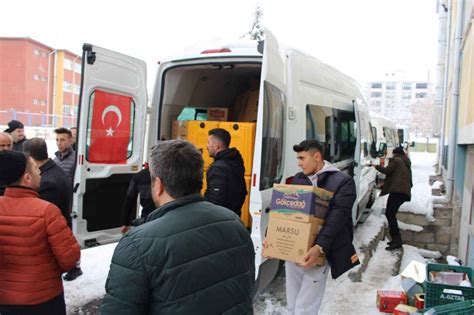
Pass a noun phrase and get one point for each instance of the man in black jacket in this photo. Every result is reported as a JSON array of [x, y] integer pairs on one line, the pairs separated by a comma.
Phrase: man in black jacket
[[190, 257], [16, 129], [55, 187], [140, 184], [226, 175], [306, 284]]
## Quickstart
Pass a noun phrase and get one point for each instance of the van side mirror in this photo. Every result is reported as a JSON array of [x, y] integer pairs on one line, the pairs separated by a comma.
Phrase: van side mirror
[[373, 150], [382, 149]]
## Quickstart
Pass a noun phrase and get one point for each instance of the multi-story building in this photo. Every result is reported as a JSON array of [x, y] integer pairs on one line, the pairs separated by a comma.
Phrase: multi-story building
[[395, 98], [456, 93], [39, 85]]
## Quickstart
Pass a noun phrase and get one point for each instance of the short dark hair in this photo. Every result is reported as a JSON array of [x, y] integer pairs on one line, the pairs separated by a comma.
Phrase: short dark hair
[[179, 165], [221, 134], [309, 144], [398, 150], [63, 130], [36, 148], [73, 128]]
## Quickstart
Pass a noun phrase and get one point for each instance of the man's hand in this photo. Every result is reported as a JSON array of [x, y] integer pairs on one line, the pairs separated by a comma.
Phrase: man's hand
[[311, 257], [264, 245], [125, 229]]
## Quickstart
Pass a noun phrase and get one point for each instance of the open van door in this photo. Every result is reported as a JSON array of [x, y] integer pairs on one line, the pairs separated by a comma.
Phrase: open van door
[[110, 140], [269, 148]]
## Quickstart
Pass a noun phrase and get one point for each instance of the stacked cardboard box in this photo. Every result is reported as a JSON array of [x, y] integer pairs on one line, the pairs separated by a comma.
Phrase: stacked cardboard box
[[297, 214]]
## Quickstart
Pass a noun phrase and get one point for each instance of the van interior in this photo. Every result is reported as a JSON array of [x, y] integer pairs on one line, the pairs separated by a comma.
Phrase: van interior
[[204, 86]]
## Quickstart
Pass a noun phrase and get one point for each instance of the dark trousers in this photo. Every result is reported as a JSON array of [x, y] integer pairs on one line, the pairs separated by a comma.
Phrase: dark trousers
[[395, 200], [55, 306]]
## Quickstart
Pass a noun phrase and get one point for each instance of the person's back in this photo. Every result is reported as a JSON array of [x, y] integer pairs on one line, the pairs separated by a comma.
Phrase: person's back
[[226, 175], [190, 257], [36, 245]]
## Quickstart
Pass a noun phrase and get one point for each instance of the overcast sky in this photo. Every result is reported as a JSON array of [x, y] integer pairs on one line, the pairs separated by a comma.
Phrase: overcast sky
[[363, 38]]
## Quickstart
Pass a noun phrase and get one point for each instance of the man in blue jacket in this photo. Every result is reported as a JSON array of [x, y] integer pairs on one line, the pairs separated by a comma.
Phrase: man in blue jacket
[[305, 284], [190, 257]]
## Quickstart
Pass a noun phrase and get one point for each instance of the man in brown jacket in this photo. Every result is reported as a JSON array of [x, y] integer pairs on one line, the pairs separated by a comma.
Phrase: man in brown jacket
[[36, 245], [398, 183]]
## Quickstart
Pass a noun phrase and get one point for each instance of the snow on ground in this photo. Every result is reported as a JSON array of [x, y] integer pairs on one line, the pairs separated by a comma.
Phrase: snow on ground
[[95, 263], [422, 200]]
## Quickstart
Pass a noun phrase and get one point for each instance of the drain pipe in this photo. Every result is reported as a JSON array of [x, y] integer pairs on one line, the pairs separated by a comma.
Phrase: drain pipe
[[444, 11], [455, 100]]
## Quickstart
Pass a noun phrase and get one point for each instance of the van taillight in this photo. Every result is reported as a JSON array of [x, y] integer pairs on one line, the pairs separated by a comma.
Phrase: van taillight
[[288, 180], [216, 51]]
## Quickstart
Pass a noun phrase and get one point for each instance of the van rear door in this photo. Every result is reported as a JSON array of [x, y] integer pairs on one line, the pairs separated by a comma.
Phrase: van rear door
[[269, 148], [110, 139]]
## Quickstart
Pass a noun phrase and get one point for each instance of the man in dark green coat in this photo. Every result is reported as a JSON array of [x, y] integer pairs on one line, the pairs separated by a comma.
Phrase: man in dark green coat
[[397, 184], [190, 257]]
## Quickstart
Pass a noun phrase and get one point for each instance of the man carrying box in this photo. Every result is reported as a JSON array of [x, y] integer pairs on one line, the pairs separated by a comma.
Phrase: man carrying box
[[305, 284]]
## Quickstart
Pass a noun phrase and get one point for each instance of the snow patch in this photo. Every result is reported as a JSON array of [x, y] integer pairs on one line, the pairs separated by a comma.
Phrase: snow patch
[[409, 227], [95, 265], [437, 184]]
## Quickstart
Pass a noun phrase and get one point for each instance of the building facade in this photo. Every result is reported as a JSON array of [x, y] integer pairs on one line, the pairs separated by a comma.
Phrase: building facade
[[39, 85], [456, 153], [404, 102]]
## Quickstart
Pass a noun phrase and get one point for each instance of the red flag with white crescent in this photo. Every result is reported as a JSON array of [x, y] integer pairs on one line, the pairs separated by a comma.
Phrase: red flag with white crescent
[[110, 128]]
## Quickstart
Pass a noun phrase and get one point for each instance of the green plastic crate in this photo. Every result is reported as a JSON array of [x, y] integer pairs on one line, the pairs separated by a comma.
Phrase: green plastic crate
[[439, 294], [459, 308]]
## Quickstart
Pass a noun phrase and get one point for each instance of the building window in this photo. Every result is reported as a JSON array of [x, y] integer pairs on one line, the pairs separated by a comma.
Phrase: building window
[[376, 94], [77, 89], [67, 64], [66, 109], [35, 77], [43, 54], [390, 95], [67, 87], [420, 95], [43, 78], [422, 85], [35, 101], [36, 52], [43, 103], [390, 85], [406, 95], [77, 68], [406, 86], [376, 85]]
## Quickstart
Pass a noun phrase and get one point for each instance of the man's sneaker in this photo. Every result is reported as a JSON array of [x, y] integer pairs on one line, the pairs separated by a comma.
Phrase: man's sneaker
[[72, 274]]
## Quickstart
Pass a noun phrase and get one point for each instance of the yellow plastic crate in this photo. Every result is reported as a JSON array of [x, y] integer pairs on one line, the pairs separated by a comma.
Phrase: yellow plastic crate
[[198, 133], [243, 138]]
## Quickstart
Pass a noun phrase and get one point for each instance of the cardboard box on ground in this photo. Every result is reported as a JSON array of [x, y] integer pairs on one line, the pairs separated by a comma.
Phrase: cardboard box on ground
[[297, 214]]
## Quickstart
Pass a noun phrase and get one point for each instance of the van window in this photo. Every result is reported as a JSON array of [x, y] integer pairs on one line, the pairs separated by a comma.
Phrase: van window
[[274, 103], [335, 129], [110, 128]]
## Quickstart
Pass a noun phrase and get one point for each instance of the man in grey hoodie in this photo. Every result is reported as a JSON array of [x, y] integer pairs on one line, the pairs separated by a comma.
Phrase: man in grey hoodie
[[306, 284]]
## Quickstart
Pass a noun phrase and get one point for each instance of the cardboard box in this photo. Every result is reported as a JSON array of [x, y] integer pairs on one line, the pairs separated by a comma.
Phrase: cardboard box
[[294, 200], [420, 301], [402, 309], [388, 300], [217, 113], [290, 240], [179, 129]]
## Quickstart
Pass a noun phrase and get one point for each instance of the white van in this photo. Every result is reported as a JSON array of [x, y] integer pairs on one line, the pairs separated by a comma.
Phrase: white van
[[386, 134], [300, 97]]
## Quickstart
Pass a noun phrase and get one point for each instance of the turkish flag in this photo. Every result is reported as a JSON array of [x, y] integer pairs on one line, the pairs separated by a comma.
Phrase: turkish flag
[[110, 128]]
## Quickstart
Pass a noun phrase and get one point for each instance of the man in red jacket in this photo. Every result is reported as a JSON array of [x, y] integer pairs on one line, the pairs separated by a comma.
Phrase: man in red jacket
[[36, 245]]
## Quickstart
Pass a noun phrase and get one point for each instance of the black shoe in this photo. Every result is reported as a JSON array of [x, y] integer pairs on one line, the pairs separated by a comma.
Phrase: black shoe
[[393, 247], [72, 274]]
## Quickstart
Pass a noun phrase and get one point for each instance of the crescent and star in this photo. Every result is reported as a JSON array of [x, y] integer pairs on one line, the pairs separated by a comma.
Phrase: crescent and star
[[111, 109]]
